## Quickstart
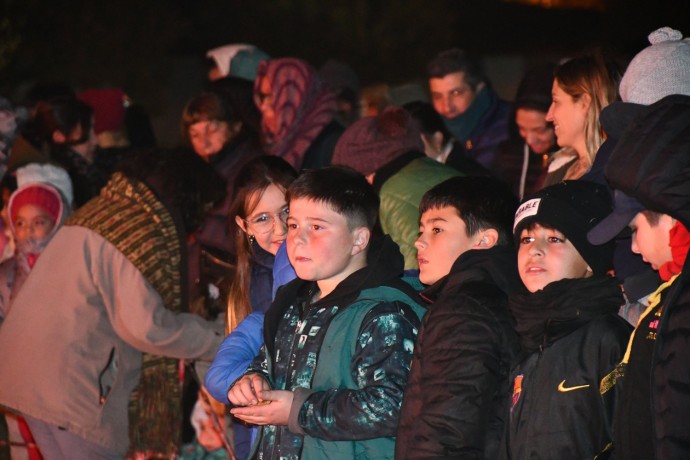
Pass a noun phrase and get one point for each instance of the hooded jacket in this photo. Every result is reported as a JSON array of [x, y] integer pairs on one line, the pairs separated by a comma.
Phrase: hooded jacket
[[457, 394], [570, 339], [651, 162], [347, 363]]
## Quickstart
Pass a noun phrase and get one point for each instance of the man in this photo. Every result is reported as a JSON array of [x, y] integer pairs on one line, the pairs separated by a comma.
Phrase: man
[[472, 112]]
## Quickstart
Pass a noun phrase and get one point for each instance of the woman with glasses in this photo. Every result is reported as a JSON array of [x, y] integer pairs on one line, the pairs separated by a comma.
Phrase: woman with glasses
[[260, 210]]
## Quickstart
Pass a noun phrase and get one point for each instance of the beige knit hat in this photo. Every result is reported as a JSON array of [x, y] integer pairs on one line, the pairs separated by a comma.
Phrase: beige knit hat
[[659, 70]]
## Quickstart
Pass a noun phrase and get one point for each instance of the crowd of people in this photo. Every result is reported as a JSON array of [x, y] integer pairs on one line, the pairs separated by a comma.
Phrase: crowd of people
[[441, 274]]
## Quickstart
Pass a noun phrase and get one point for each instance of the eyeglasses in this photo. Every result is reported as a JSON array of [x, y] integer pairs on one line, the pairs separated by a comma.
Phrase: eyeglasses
[[264, 222]]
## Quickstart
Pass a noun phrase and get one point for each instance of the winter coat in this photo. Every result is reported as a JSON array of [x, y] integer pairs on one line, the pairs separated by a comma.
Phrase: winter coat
[[94, 314], [214, 232], [650, 162], [571, 338], [458, 394], [492, 129], [320, 151], [401, 185], [347, 363]]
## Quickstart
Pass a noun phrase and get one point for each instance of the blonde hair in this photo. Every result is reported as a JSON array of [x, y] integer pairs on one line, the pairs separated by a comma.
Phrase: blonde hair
[[593, 76]]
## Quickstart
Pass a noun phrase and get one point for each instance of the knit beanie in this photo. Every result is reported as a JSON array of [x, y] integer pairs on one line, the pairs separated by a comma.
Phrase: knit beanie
[[534, 91], [372, 142], [44, 196], [658, 70], [238, 60], [108, 106], [573, 208]]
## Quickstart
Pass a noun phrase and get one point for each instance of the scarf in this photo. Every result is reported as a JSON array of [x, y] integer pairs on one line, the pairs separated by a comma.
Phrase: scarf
[[129, 216], [679, 240], [303, 106], [461, 126], [561, 307]]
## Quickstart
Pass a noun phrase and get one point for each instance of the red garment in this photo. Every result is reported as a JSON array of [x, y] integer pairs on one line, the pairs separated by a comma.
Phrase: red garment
[[302, 104], [680, 243], [31, 447]]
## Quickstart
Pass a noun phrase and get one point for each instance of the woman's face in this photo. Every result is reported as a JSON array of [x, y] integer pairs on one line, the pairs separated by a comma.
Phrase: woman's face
[[266, 102], [568, 116], [266, 222], [209, 136]]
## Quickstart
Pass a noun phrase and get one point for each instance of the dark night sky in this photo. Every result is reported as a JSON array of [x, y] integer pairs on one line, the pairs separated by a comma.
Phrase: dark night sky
[[154, 49]]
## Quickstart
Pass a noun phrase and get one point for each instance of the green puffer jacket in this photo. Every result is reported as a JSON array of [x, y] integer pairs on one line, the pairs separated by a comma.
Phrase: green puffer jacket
[[400, 197]]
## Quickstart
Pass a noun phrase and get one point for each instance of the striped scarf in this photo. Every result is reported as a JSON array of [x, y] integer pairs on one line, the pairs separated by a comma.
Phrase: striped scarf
[[129, 216], [302, 105]]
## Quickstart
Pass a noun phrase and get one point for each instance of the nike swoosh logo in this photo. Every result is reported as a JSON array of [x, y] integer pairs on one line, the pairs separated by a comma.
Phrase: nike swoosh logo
[[563, 389]]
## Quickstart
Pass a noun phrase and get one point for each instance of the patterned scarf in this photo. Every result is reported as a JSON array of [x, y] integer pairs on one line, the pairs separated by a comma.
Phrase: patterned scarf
[[303, 106], [132, 219]]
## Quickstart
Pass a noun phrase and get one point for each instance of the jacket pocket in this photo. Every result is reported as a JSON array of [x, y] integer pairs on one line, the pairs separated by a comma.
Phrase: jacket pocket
[[107, 376]]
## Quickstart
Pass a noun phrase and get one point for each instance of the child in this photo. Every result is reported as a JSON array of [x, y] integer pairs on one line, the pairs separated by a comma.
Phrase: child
[[570, 334], [259, 209], [35, 212], [338, 340], [457, 394], [650, 164]]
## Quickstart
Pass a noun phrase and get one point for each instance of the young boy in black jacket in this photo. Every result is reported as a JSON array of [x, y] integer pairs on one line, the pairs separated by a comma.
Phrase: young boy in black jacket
[[570, 334], [458, 392]]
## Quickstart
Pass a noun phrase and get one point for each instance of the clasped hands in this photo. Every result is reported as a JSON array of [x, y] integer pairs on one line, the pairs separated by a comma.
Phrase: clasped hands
[[257, 404]]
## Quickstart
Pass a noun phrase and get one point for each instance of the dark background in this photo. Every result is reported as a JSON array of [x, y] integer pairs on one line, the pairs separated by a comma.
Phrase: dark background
[[154, 49]]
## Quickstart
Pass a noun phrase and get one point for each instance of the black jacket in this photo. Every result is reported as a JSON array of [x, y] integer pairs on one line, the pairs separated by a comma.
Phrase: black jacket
[[651, 162], [571, 338], [458, 393]]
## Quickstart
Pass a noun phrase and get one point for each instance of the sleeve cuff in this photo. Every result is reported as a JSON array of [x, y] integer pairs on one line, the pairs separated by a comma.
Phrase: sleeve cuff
[[299, 396]]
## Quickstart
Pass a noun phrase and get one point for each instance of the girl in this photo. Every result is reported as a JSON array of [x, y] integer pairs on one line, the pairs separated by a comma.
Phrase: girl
[[260, 210]]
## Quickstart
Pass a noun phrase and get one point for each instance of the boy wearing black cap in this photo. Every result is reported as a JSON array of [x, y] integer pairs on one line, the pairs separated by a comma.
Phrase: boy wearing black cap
[[570, 333], [649, 168]]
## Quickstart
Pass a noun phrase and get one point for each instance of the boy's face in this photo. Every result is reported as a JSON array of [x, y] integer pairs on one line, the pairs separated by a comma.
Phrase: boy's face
[[32, 221], [652, 241], [442, 239], [545, 256], [320, 245]]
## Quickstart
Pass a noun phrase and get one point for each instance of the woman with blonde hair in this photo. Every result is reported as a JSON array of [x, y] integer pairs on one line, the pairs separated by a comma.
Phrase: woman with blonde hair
[[582, 87]]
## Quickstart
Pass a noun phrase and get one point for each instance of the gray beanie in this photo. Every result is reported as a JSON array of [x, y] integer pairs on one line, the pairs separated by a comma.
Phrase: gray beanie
[[659, 70]]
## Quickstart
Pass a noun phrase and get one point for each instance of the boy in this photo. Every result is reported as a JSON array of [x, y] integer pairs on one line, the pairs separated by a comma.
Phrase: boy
[[570, 334], [457, 393], [649, 168], [338, 340]]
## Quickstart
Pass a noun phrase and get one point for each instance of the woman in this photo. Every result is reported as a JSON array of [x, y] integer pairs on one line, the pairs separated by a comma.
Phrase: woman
[[260, 210], [582, 87], [220, 125], [297, 112]]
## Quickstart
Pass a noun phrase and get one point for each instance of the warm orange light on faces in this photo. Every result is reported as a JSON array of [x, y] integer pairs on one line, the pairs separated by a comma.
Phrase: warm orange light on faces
[[451, 95], [535, 130], [652, 241], [545, 255]]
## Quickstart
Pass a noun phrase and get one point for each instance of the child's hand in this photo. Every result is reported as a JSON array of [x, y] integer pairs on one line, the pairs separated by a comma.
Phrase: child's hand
[[247, 390], [273, 410]]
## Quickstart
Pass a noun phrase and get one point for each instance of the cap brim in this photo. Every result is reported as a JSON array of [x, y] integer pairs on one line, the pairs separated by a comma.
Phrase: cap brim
[[614, 225]]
